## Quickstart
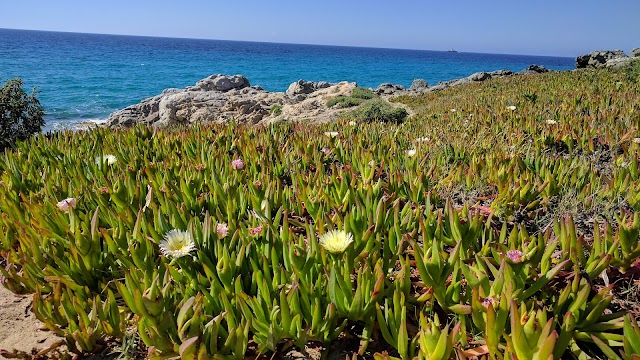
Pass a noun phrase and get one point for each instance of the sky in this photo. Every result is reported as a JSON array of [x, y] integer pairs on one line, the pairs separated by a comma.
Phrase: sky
[[543, 27]]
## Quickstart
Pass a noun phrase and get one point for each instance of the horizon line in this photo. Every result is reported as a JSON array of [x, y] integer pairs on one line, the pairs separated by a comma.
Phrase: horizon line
[[281, 43]]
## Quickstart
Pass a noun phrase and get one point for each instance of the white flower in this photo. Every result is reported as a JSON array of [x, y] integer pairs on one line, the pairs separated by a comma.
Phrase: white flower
[[551, 122], [411, 153], [636, 140], [177, 243], [453, 110], [422, 139], [352, 123], [511, 107], [331, 134], [108, 159], [65, 204], [336, 241]]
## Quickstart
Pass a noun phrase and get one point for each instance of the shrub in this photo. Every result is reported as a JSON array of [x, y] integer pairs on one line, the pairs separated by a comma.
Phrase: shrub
[[21, 115], [276, 110], [362, 93], [343, 102], [378, 110], [357, 97]]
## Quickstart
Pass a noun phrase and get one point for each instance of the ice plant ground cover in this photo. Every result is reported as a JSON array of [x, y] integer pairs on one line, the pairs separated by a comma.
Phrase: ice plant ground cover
[[503, 236]]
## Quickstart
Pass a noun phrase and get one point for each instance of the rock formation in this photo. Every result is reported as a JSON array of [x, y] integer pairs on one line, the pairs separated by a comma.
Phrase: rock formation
[[419, 85], [222, 98], [599, 59]]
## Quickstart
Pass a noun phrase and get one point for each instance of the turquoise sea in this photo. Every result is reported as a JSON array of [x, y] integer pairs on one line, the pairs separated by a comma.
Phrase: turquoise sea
[[85, 77]]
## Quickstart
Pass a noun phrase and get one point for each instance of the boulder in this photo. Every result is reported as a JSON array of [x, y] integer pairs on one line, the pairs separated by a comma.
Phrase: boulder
[[501, 73], [388, 89], [221, 82], [479, 76], [419, 85], [635, 53], [302, 87], [598, 59], [534, 69]]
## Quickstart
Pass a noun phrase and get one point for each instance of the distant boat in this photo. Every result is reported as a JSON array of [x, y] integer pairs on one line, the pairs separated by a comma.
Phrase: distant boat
[[452, 51]]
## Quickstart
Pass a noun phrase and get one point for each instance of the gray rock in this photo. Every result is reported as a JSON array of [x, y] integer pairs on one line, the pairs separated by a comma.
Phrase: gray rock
[[419, 85], [618, 62], [597, 59], [221, 82], [479, 76], [635, 52], [501, 73], [302, 87], [534, 69], [388, 89]]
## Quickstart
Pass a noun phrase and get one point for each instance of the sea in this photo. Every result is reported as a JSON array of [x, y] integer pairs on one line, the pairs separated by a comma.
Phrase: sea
[[83, 78]]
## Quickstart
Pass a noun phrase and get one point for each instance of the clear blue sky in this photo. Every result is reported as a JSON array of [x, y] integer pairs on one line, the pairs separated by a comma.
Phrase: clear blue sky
[[543, 27]]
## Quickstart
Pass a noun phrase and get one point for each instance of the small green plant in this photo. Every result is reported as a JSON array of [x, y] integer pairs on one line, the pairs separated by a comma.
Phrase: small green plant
[[276, 110], [380, 111], [343, 102], [362, 93], [531, 96], [21, 114], [357, 97]]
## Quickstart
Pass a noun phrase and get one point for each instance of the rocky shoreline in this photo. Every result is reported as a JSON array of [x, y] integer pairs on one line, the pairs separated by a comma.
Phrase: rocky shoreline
[[222, 98]]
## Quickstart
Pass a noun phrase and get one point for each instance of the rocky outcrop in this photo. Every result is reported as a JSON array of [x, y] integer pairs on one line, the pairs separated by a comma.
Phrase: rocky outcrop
[[222, 98], [419, 85], [475, 77], [534, 69], [599, 59], [388, 89], [302, 87], [635, 53]]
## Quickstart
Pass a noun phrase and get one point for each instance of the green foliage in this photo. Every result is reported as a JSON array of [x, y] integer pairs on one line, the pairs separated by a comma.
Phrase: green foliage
[[276, 110], [21, 114], [442, 249], [362, 93], [342, 102], [380, 111], [357, 97]]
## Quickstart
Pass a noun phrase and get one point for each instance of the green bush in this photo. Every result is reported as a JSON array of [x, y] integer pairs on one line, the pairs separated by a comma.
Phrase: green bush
[[343, 102], [362, 93], [21, 115], [276, 109], [379, 110], [357, 97]]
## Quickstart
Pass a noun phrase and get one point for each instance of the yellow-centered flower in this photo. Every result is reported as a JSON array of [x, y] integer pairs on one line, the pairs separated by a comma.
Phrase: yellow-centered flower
[[336, 241], [177, 243]]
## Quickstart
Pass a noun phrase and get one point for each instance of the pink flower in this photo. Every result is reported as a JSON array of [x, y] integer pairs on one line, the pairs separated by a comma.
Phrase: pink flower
[[64, 204], [255, 231], [482, 210], [516, 256], [326, 151], [488, 301], [237, 164], [222, 230]]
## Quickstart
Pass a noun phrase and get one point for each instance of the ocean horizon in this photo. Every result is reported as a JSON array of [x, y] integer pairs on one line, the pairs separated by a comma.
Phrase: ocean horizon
[[85, 77]]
